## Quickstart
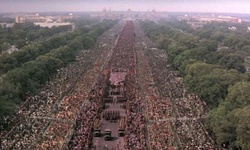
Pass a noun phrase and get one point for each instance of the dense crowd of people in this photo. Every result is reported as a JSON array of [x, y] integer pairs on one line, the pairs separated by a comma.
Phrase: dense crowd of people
[[175, 118], [135, 131], [184, 105], [135, 135], [123, 53], [160, 114], [82, 137], [49, 114], [156, 107]]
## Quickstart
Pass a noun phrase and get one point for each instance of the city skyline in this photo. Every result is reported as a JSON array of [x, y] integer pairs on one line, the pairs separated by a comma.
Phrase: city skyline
[[227, 6]]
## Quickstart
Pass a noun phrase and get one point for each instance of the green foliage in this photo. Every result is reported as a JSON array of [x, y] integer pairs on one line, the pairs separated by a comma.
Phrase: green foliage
[[184, 67], [183, 59], [210, 82], [32, 51], [211, 59], [199, 69], [175, 51], [187, 40], [243, 128], [182, 25], [155, 31], [210, 45], [238, 96], [178, 60], [218, 36], [4, 46], [23, 34], [228, 121], [233, 62], [37, 64], [163, 42]]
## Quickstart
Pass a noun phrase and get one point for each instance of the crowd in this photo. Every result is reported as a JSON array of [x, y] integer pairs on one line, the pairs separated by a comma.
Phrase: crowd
[[158, 133], [124, 57], [160, 114], [175, 118], [123, 61], [161, 136], [46, 117], [135, 131], [83, 115], [184, 105], [82, 137]]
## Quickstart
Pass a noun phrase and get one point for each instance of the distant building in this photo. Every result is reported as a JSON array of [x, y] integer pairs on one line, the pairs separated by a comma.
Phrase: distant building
[[30, 18], [20, 19], [229, 19], [196, 25], [38, 18], [52, 24], [212, 19], [185, 17], [7, 25]]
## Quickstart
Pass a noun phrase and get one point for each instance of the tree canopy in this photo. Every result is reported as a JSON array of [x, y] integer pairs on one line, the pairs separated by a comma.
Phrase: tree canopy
[[211, 61], [27, 70]]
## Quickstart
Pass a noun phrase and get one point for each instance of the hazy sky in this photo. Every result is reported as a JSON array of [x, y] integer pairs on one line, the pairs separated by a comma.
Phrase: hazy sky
[[235, 6]]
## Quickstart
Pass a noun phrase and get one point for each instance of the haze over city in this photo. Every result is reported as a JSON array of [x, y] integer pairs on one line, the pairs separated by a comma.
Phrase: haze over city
[[227, 6]]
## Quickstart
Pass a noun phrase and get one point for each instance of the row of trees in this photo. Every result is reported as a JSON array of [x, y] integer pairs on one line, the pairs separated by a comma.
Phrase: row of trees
[[33, 74], [32, 51], [235, 41], [21, 35], [216, 75]]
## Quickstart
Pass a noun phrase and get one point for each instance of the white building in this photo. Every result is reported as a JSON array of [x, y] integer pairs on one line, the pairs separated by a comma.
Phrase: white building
[[52, 24]]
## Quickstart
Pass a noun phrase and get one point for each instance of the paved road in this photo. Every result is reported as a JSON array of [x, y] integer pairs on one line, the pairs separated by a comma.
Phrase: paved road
[[117, 142]]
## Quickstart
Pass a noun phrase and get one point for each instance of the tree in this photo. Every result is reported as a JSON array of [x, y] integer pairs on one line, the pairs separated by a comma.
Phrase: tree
[[76, 44], [5, 46], [227, 120], [20, 43], [7, 62], [184, 67], [217, 36], [27, 70], [188, 40], [178, 60], [243, 128], [201, 68], [211, 46], [163, 42], [210, 82], [233, 62], [87, 42], [175, 51]]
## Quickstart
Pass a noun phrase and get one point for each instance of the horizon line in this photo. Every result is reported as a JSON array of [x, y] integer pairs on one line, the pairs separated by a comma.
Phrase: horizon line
[[59, 11]]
